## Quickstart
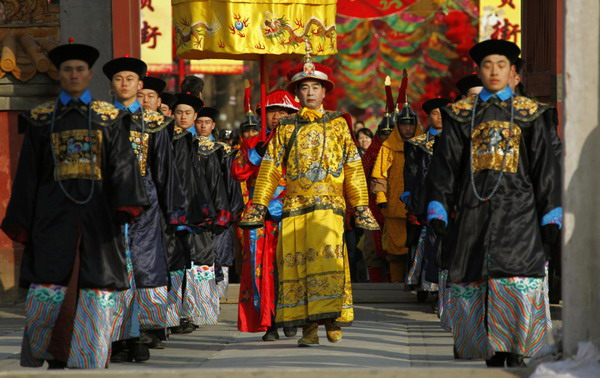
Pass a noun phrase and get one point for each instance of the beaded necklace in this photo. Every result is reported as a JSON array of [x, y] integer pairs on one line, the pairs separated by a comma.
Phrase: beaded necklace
[[92, 165], [497, 185]]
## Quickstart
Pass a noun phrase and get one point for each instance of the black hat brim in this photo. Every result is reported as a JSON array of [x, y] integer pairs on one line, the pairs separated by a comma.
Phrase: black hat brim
[[494, 46], [468, 82], [187, 99], [434, 103], [211, 113], [73, 51], [111, 68], [154, 83], [168, 99]]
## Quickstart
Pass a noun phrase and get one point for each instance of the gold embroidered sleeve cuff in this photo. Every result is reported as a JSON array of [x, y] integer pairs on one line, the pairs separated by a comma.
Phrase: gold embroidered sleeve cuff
[[254, 218], [365, 219]]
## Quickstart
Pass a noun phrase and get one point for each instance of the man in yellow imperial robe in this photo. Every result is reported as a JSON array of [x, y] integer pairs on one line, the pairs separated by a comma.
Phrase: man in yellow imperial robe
[[315, 150]]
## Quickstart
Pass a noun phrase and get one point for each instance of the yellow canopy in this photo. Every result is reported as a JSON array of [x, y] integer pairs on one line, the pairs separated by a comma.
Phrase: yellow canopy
[[246, 29]]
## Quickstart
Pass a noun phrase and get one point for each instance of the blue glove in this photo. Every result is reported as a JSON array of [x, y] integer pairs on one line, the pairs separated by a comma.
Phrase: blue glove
[[435, 210], [554, 216], [404, 197]]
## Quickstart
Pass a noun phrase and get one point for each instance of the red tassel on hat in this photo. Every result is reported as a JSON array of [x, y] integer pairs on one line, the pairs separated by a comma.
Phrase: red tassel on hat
[[402, 91]]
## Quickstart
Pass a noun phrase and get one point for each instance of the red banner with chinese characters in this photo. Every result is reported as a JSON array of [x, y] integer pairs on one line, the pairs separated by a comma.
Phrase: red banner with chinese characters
[[500, 19], [156, 35]]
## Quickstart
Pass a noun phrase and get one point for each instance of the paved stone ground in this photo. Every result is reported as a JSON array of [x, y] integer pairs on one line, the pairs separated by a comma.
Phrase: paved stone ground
[[384, 338], [383, 335]]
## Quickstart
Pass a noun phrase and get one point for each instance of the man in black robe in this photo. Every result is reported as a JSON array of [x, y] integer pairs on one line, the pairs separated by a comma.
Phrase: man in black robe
[[77, 181], [188, 246], [417, 157], [496, 166], [209, 148], [151, 143], [150, 96]]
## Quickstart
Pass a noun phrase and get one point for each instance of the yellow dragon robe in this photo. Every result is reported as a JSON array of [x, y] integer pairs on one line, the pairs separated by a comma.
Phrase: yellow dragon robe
[[315, 150]]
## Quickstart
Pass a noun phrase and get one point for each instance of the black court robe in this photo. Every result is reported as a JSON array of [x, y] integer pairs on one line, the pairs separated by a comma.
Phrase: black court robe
[[224, 243], [200, 210], [418, 152], [211, 155], [417, 156], [500, 237], [54, 227], [151, 143]]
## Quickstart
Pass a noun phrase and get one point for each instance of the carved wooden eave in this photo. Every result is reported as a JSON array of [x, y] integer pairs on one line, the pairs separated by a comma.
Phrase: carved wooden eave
[[23, 56], [29, 29]]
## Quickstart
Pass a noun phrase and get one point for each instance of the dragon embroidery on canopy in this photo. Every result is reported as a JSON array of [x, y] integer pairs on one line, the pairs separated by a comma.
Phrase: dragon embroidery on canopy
[[185, 31], [277, 27]]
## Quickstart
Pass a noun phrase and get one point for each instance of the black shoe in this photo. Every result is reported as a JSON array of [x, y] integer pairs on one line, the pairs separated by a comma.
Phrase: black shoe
[[175, 330], [290, 331], [514, 360], [146, 338], [152, 341], [271, 335], [187, 327], [497, 360], [56, 365], [120, 352], [422, 296], [138, 351], [456, 356]]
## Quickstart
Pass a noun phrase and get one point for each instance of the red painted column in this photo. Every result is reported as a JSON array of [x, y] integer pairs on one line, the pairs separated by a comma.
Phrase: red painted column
[[126, 28], [10, 253]]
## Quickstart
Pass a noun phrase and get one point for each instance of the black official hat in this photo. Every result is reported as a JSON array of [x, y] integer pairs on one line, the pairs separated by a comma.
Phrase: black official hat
[[386, 125], [188, 99], [112, 67], [211, 113], [434, 103], [154, 83], [406, 115], [519, 64], [249, 123], [467, 83], [168, 99], [494, 46], [72, 51]]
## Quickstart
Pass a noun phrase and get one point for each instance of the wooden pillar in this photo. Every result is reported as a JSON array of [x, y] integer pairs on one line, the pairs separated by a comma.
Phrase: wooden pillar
[[126, 28]]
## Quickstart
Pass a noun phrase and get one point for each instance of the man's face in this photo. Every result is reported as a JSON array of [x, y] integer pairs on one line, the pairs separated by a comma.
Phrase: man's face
[[126, 84], [185, 116], [407, 130], [249, 133], [274, 113], [74, 76], [164, 109], [495, 71], [149, 99], [311, 93], [435, 119], [205, 125]]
